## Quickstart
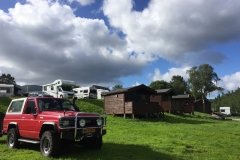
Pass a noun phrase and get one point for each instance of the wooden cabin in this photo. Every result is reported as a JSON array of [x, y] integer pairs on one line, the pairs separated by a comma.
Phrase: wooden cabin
[[164, 98], [133, 100], [198, 106], [183, 103]]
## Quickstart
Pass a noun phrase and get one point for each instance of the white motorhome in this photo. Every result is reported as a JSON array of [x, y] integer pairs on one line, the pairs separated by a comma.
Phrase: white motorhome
[[85, 92], [60, 88], [6, 90], [99, 93], [225, 110]]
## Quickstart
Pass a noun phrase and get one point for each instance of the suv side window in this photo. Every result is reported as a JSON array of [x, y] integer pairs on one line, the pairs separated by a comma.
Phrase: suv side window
[[16, 107], [31, 107]]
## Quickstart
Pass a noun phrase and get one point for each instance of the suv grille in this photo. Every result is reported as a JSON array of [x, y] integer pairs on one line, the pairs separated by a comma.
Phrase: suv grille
[[90, 122]]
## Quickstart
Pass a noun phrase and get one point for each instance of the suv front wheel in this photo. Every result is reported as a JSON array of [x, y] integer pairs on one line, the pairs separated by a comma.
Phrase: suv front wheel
[[12, 138], [50, 144]]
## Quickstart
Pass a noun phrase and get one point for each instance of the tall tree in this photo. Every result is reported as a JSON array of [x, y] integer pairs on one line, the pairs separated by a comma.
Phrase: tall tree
[[179, 84], [160, 84], [7, 79], [203, 79], [117, 87]]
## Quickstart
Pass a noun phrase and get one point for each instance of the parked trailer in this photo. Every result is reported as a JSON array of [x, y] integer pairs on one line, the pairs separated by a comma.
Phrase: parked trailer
[[60, 88], [99, 93], [85, 92], [6, 90], [225, 110]]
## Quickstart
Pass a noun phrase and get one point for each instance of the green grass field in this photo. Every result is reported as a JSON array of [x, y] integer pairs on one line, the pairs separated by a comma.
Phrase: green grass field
[[181, 137]]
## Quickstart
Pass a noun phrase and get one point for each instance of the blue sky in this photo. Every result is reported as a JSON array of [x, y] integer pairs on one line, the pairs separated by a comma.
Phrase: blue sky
[[109, 42]]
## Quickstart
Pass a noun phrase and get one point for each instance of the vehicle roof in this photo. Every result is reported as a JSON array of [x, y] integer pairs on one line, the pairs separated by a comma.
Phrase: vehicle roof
[[37, 97]]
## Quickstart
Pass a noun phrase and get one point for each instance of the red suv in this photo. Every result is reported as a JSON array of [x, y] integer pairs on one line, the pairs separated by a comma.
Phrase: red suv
[[51, 122]]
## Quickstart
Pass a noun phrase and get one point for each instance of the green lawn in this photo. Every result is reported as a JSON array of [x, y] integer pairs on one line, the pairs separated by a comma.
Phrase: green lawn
[[190, 137]]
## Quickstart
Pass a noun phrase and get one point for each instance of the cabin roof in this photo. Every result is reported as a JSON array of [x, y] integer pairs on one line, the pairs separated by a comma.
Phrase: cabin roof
[[130, 89], [100, 87], [165, 91], [182, 96]]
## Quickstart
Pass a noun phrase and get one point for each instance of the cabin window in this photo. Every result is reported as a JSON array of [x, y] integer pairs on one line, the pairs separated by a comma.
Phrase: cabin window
[[45, 88], [51, 87], [85, 91]]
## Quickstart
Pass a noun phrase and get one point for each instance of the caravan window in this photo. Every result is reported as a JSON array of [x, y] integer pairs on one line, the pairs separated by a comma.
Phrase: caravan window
[[5, 89]]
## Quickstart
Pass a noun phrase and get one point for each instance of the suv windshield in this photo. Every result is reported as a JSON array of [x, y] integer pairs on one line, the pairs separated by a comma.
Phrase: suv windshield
[[55, 104]]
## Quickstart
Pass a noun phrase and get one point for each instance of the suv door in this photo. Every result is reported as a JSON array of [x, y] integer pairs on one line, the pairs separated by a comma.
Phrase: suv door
[[28, 126]]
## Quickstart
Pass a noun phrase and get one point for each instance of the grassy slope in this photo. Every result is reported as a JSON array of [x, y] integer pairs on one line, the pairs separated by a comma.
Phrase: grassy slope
[[174, 137]]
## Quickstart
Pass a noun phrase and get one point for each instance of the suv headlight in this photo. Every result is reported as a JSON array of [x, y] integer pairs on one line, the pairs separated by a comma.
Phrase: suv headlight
[[99, 122], [82, 122], [65, 123]]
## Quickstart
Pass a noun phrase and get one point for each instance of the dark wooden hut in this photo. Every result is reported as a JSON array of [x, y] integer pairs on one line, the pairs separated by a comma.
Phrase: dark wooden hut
[[183, 103], [133, 100], [198, 106], [164, 98]]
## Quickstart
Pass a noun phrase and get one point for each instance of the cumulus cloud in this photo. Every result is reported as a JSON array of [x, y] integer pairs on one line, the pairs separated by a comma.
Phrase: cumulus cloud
[[136, 84], [230, 82], [174, 30], [83, 2], [157, 75], [43, 40]]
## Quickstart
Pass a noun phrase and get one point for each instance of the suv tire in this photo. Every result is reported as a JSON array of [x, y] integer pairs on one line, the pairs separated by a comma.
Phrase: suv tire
[[12, 138], [50, 144]]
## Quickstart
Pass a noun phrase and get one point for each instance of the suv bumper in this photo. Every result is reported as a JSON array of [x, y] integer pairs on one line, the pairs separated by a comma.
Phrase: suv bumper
[[80, 135]]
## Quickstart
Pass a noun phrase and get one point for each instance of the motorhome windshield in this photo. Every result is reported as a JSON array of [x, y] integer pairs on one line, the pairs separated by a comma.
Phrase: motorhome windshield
[[67, 88]]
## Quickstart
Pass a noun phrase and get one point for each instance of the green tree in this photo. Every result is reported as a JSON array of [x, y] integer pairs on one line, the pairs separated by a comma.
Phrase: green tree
[[7, 79], [117, 87], [179, 84], [160, 84], [204, 80]]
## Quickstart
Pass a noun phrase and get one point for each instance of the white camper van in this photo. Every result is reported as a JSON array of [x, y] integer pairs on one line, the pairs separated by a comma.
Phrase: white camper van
[[6, 90], [225, 110], [85, 92], [60, 88], [99, 93]]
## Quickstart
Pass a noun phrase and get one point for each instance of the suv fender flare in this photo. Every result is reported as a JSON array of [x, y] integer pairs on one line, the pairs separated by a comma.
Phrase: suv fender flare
[[48, 126], [13, 125]]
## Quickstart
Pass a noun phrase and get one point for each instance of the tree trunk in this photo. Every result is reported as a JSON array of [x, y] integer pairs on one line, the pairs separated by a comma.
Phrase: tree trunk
[[203, 101]]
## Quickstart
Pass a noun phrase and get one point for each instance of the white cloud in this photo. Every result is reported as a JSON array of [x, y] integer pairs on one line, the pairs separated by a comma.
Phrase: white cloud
[[157, 75], [174, 29], [43, 40], [230, 82], [83, 2], [136, 84]]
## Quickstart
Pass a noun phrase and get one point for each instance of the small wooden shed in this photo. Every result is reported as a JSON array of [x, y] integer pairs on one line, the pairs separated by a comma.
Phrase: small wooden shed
[[133, 100], [164, 98], [183, 103], [198, 106]]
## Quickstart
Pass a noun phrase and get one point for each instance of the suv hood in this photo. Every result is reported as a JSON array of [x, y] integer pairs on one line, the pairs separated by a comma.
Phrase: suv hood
[[67, 113]]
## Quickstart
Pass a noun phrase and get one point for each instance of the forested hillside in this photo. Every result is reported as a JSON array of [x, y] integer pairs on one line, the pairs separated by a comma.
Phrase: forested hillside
[[230, 99]]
